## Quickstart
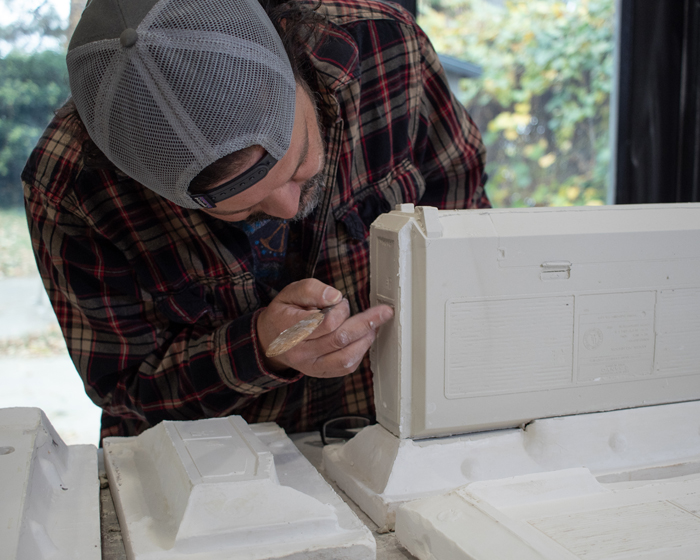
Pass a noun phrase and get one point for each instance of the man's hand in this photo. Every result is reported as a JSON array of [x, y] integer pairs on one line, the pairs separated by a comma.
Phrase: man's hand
[[336, 347]]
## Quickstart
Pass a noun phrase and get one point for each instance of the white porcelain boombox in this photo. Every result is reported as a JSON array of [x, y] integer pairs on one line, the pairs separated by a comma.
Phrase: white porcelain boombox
[[507, 315]]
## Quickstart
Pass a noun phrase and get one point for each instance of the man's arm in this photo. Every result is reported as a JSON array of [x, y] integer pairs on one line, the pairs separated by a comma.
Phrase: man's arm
[[137, 358]]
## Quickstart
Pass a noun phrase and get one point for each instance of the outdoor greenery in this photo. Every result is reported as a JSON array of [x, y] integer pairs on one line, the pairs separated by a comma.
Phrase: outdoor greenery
[[32, 86], [33, 83], [542, 101]]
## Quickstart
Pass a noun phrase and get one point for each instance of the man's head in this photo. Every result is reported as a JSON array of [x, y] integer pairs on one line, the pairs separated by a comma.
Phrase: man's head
[[290, 190], [167, 87]]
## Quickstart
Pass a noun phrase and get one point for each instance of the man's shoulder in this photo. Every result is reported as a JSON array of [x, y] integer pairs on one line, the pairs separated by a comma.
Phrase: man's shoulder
[[345, 12], [57, 158], [346, 38], [57, 174]]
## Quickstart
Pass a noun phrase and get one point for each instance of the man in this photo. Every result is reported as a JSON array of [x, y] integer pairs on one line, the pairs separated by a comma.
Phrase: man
[[215, 180]]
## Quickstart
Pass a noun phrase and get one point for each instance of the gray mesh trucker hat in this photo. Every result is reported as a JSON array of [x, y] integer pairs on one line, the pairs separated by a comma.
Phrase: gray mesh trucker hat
[[167, 87]]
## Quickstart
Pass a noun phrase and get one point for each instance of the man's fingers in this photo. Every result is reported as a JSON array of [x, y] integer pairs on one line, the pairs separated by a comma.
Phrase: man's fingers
[[338, 344], [309, 293], [293, 304], [345, 361], [333, 319], [350, 330]]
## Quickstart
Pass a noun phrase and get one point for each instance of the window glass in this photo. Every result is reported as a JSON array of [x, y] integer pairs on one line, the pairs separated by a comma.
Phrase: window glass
[[540, 87]]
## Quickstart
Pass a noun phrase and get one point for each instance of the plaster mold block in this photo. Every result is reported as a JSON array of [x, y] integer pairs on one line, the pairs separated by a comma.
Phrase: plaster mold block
[[220, 489], [559, 515], [380, 471], [503, 316], [49, 495]]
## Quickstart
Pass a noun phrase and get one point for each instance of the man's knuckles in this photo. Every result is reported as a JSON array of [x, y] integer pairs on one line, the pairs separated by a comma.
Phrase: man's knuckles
[[340, 338], [308, 292]]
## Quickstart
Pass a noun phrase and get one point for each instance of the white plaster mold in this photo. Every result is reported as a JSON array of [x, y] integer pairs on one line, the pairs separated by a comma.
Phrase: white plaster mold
[[379, 471], [218, 488], [49, 494], [559, 515], [507, 315]]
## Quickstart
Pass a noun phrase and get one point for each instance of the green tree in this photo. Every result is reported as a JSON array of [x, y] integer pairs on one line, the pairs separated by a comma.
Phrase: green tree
[[33, 82], [32, 86], [542, 102]]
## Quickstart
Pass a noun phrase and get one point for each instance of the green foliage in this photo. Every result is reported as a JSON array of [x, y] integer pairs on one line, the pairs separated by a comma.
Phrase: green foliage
[[542, 102], [32, 86]]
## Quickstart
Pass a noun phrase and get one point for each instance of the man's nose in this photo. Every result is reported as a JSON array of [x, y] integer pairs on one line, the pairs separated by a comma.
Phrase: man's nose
[[283, 202]]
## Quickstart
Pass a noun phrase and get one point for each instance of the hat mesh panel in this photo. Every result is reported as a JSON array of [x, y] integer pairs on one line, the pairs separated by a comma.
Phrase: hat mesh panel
[[202, 81]]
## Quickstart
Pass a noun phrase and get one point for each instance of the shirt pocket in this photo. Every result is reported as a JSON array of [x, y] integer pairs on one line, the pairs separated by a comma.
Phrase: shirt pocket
[[210, 301], [403, 184]]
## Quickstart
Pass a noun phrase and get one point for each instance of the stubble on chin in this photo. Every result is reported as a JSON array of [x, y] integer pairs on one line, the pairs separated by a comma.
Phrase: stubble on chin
[[309, 198]]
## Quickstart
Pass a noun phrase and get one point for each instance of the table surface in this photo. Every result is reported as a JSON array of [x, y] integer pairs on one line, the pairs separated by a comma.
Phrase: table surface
[[310, 446]]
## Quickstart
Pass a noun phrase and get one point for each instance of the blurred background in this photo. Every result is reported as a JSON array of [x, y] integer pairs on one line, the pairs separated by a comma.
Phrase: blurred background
[[540, 92]]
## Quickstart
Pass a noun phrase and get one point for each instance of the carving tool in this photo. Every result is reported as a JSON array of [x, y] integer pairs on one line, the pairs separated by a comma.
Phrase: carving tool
[[298, 332]]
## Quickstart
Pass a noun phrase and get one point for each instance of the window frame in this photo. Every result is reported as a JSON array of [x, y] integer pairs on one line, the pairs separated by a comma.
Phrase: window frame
[[658, 106]]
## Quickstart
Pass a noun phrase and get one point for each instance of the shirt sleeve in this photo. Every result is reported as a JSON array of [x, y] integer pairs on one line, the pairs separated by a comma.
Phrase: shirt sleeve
[[450, 152], [137, 358]]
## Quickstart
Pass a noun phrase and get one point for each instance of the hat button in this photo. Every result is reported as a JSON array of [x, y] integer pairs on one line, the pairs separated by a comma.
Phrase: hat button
[[128, 38]]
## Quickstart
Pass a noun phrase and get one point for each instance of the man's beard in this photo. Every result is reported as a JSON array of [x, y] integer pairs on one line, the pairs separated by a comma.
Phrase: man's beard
[[309, 198]]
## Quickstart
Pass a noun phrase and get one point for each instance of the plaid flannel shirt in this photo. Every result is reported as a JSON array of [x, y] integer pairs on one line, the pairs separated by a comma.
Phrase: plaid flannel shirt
[[158, 303]]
